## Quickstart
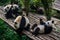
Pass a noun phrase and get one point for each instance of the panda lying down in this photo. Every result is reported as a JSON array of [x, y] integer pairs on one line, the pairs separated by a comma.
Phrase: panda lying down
[[42, 29], [22, 22]]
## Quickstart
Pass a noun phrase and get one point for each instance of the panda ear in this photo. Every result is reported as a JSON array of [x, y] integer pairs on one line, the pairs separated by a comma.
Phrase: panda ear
[[52, 21], [40, 19]]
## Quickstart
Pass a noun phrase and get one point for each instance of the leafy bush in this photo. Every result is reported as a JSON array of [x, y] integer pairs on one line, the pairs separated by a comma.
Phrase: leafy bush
[[6, 33], [3, 2]]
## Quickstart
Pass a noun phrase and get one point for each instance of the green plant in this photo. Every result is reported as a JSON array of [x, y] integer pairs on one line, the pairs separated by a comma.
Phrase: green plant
[[4, 2], [6, 33], [47, 4], [27, 5]]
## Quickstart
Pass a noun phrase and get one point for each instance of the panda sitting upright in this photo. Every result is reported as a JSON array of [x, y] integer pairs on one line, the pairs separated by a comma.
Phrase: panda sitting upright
[[11, 9], [20, 23], [43, 29]]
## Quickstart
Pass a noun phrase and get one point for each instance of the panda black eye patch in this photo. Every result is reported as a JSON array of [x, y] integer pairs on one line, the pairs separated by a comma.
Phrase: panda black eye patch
[[15, 23], [48, 22], [7, 7], [52, 21]]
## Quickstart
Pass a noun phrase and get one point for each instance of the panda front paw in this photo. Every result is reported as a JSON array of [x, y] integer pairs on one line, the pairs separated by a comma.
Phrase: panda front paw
[[34, 33]]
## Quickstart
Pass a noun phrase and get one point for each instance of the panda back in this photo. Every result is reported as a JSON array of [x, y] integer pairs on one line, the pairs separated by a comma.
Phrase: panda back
[[48, 30], [27, 21]]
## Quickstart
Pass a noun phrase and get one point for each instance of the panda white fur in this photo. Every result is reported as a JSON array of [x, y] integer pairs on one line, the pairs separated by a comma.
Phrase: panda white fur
[[21, 22], [7, 7], [15, 6], [43, 29]]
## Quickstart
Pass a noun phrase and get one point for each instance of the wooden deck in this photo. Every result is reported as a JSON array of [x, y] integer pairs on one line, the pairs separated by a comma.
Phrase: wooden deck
[[33, 19], [56, 5]]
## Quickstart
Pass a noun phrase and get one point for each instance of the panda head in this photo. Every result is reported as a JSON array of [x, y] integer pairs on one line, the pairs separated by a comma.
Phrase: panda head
[[49, 23], [18, 20], [15, 6], [7, 7]]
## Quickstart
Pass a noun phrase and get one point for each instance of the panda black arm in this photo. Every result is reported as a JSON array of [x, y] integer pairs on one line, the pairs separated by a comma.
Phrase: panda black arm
[[34, 25]]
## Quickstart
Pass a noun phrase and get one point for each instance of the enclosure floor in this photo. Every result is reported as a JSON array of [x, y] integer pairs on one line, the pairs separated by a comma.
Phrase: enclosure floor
[[34, 18]]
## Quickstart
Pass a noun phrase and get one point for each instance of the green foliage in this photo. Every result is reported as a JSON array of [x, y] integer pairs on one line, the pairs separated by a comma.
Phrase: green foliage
[[26, 6], [3, 2], [36, 2], [6, 33], [47, 4]]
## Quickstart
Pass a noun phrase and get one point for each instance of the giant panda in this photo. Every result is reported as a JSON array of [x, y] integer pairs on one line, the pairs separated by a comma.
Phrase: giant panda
[[11, 10], [7, 7], [43, 29], [20, 23], [15, 9]]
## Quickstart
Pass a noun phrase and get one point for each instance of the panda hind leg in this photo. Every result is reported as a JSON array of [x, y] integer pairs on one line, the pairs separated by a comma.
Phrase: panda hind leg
[[35, 25], [36, 32], [27, 27]]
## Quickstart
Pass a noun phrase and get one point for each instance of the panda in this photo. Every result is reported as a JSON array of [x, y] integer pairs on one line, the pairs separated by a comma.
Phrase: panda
[[15, 9], [7, 7], [21, 23], [43, 29], [11, 10]]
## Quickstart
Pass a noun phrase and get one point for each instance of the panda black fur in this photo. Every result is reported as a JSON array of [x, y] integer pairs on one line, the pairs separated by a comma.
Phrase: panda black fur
[[43, 29], [15, 9], [42, 22], [9, 13], [22, 22], [11, 9]]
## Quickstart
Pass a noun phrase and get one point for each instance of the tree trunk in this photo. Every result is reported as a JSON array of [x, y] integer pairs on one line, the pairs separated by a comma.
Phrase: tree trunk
[[26, 3]]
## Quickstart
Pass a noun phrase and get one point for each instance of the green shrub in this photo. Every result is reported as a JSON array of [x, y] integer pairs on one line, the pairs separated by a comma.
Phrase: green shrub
[[6, 33]]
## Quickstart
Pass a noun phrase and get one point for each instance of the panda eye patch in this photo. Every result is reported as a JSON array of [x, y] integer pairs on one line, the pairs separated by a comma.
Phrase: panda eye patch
[[52, 21], [48, 22], [7, 7], [15, 23]]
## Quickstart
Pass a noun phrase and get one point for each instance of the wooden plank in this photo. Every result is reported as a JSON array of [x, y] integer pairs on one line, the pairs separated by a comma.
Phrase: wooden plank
[[56, 5], [31, 35]]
